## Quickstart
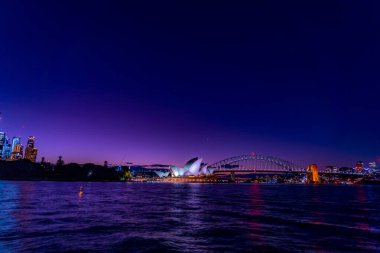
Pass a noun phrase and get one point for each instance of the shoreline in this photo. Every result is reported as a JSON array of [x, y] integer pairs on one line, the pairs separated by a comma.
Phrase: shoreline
[[181, 182]]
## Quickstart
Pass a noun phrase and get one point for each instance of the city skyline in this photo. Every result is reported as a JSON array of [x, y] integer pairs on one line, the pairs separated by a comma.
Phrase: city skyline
[[123, 82], [13, 149], [189, 126], [31, 154]]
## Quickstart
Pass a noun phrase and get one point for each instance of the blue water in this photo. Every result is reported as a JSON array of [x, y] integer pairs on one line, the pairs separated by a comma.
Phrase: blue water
[[159, 217]]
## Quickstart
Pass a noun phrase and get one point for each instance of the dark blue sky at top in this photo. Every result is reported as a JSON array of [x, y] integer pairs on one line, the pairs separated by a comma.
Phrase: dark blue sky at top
[[159, 81]]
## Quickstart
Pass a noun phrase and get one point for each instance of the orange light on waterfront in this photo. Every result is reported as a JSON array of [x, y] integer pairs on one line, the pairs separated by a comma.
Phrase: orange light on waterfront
[[80, 194], [313, 175]]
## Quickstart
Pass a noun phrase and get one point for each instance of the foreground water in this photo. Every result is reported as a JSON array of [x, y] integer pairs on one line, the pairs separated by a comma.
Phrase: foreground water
[[144, 217]]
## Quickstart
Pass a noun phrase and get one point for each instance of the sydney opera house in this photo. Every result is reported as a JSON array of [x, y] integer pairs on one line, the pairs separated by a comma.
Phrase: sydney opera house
[[194, 167]]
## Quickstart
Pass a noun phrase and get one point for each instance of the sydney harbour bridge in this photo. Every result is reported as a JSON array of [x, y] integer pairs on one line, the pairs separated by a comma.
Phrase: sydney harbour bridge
[[259, 167], [261, 164], [255, 164]]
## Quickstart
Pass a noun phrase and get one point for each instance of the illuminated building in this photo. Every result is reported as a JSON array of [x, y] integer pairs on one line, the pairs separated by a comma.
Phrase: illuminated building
[[17, 152], [313, 173], [162, 173], [149, 171], [15, 141], [31, 154], [372, 165], [30, 143], [2, 141], [331, 168], [359, 165], [16, 149], [7, 149], [30, 150], [194, 167], [21, 151]]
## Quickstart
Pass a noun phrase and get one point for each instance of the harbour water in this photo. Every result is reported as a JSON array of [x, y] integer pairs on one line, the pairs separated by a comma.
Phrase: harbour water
[[168, 217]]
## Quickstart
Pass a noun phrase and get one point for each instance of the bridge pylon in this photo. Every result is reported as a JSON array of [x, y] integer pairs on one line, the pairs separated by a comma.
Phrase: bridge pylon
[[312, 174]]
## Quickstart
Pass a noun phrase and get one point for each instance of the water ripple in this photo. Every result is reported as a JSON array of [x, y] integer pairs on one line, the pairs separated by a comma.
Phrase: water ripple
[[120, 217]]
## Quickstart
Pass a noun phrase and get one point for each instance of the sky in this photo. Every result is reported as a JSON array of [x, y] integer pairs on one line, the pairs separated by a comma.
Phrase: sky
[[165, 81]]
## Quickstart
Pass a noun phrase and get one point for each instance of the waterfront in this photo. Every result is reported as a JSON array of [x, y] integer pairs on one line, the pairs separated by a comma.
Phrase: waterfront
[[144, 217]]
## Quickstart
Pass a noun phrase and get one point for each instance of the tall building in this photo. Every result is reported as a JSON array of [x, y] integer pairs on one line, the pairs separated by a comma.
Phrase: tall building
[[60, 162], [7, 149], [17, 149], [21, 151], [17, 152], [15, 141], [30, 150], [33, 155], [2, 141], [30, 143]]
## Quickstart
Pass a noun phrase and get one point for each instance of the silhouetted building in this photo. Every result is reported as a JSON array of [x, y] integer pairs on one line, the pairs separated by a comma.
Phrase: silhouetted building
[[30, 150], [60, 162]]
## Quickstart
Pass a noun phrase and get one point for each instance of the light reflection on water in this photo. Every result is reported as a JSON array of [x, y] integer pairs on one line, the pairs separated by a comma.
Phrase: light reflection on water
[[143, 217], [8, 203]]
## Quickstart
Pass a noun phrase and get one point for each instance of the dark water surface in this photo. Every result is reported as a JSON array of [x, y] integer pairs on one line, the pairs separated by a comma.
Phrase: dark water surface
[[148, 217]]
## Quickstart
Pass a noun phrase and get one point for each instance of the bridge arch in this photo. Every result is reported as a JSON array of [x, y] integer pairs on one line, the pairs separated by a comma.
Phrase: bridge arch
[[255, 163]]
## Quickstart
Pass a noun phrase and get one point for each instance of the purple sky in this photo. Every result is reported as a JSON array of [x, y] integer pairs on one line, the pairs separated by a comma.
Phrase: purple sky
[[164, 82]]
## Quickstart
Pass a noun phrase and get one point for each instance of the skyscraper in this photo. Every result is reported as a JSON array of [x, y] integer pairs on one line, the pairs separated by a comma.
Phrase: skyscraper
[[7, 149], [15, 141], [2, 141], [30, 143], [30, 150], [33, 155], [17, 149]]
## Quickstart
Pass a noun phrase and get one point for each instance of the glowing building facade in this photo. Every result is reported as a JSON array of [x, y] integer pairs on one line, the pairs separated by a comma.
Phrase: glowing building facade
[[15, 141], [359, 165], [2, 141], [17, 149], [194, 167], [13, 150], [30, 150], [372, 165], [7, 149], [313, 175], [162, 173]]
